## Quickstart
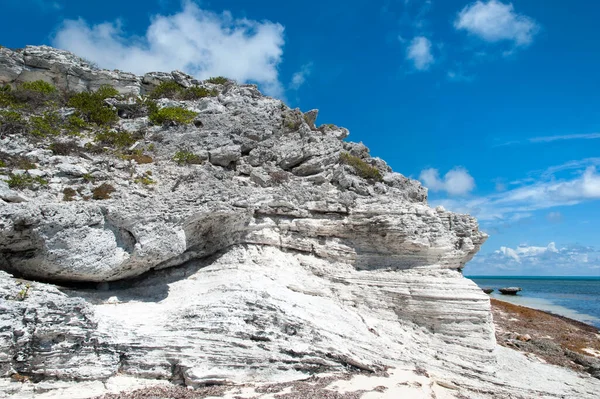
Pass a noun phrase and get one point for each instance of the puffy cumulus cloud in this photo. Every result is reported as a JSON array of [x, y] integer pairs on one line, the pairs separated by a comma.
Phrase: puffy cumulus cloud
[[196, 41], [419, 53], [569, 260], [545, 193], [457, 181], [495, 21], [299, 78]]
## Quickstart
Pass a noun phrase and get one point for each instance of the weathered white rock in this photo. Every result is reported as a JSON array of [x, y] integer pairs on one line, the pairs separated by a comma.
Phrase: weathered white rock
[[270, 262]]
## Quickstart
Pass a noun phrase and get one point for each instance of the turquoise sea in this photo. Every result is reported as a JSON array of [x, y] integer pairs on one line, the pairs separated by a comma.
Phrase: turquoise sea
[[574, 297]]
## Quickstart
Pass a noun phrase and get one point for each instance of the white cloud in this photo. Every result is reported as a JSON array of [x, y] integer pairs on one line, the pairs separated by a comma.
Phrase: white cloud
[[554, 217], [419, 52], [548, 139], [196, 41], [457, 181], [299, 78], [495, 21], [569, 260], [546, 193]]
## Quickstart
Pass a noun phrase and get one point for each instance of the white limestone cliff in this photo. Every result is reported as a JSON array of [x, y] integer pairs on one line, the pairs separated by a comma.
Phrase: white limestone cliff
[[270, 261]]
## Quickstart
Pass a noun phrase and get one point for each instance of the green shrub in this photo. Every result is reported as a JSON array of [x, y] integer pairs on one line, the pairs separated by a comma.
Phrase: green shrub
[[65, 147], [88, 178], [166, 89], [115, 139], [12, 122], [69, 194], [47, 125], [6, 98], [196, 92], [103, 191], [172, 115], [91, 105], [16, 161], [21, 162], [186, 158], [361, 168], [75, 125], [145, 179], [106, 91], [39, 86], [23, 181], [2, 164], [36, 94], [218, 80]]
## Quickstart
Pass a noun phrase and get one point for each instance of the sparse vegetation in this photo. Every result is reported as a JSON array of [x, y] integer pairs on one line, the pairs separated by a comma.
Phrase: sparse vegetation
[[65, 147], [173, 90], [218, 80], [88, 178], [47, 125], [24, 292], [196, 92], [166, 89], [16, 161], [115, 139], [103, 191], [361, 168], [69, 194], [139, 157], [92, 108], [36, 94], [23, 181], [39, 86], [186, 158], [12, 122], [75, 125], [172, 115], [145, 179]]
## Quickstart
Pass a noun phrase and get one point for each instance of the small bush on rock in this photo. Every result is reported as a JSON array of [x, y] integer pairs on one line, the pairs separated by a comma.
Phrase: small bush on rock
[[196, 92], [11, 122], [218, 80], [361, 168], [103, 191], [139, 157], [186, 158], [69, 194], [36, 94], [47, 125], [115, 139], [172, 115], [24, 181], [145, 179], [39, 86], [91, 105], [65, 147], [167, 89]]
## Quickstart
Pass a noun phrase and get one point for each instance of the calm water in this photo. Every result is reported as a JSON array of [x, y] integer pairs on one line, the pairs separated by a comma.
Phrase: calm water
[[575, 297]]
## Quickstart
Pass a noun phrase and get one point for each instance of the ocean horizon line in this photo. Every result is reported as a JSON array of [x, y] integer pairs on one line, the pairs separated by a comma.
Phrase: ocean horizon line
[[529, 277]]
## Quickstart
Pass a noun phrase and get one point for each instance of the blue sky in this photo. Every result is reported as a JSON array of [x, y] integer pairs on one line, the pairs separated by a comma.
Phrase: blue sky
[[493, 105]]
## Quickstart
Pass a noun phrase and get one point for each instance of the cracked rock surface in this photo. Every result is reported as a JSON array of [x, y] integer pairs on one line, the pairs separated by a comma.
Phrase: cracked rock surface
[[267, 259]]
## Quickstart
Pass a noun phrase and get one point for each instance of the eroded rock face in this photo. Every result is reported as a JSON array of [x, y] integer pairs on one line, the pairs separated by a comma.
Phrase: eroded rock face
[[267, 259]]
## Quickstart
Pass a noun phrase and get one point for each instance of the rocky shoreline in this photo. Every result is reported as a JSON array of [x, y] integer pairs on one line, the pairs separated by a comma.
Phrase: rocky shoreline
[[553, 338]]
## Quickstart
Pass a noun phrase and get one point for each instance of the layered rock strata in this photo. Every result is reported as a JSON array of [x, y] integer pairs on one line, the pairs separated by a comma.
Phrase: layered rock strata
[[269, 259]]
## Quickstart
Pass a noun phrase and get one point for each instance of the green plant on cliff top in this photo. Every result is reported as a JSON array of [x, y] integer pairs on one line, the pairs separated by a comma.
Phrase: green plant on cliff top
[[175, 115], [361, 168]]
